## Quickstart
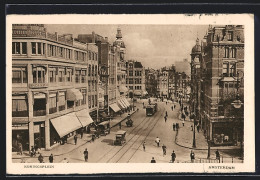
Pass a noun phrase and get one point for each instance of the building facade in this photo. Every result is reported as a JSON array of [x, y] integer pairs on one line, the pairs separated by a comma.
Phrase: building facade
[[217, 77], [151, 81], [135, 79], [50, 86]]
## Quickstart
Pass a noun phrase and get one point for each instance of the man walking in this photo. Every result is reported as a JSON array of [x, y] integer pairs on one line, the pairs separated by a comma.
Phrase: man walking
[[198, 128], [192, 156], [165, 118], [144, 145], [75, 139], [86, 155], [164, 149], [51, 158], [172, 108], [157, 140], [166, 114], [173, 156], [81, 133], [40, 158], [217, 155]]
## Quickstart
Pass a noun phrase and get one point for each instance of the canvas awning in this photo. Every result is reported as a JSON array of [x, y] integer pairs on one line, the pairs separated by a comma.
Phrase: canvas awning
[[126, 102], [120, 103], [66, 124], [123, 89], [74, 95], [115, 107], [145, 92], [138, 93], [84, 117]]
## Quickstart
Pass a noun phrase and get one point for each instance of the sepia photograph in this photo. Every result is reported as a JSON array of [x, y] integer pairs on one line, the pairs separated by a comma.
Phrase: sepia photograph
[[146, 89]]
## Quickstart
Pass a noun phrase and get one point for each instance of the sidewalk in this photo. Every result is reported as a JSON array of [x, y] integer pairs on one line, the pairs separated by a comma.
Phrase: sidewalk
[[66, 148], [184, 137]]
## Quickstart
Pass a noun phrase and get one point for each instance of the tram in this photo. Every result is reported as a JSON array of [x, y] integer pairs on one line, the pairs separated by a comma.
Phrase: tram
[[151, 109]]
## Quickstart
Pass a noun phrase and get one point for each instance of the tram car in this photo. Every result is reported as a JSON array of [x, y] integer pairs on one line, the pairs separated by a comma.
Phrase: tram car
[[151, 109]]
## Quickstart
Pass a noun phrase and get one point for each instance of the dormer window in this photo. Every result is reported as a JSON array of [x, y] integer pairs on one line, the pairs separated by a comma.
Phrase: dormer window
[[230, 36]]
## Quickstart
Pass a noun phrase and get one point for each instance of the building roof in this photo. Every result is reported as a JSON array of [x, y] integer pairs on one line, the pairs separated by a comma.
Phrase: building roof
[[196, 48], [138, 64]]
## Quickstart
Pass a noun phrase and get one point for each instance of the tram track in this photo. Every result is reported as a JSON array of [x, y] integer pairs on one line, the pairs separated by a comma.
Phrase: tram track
[[132, 131], [124, 149]]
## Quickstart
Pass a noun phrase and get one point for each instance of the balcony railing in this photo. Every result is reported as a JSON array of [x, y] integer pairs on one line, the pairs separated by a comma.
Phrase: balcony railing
[[38, 85], [39, 113]]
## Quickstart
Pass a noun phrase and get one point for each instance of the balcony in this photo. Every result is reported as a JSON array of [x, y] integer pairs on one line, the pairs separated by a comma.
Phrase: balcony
[[38, 85]]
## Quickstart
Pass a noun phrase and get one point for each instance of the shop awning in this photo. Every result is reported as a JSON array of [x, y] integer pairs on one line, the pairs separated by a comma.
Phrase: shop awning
[[66, 124], [120, 103], [138, 93], [84, 117], [126, 102], [123, 89], [115, 107], [74, 95], [145, 92]]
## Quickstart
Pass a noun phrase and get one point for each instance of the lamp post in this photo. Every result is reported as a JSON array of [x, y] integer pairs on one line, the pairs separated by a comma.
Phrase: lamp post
[[194, 138], [237, 103]]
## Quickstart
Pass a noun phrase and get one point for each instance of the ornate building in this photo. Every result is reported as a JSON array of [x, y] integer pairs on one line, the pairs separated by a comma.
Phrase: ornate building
[[51, 89]]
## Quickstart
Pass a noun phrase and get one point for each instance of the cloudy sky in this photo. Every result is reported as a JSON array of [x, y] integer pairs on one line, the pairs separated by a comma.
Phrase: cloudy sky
[[154, 45]]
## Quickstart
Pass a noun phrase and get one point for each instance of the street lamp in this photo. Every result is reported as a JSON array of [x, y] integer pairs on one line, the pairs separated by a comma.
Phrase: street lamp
[[237, 103]]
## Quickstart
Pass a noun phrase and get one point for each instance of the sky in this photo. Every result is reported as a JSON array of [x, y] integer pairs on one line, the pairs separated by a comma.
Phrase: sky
[[155, 46]]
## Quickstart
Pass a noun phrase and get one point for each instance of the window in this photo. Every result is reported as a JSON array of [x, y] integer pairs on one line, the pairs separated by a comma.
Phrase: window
[[230, 35], [96, 70], [83, 76], [93, 69], [52, 75], [43, 48], [93, 86], [62, 101], [93, 102], [39, 48], [19, 75], [61, 75], [24, 48], [77, 76], [226, 52], [89, 55], [89, 101], [232, 69], [84, 94], [130, 73], [69, 75], [233, 52], [33, 47], [16, 48], [52, 103], [20, 107], [38, 75], [89, 70]]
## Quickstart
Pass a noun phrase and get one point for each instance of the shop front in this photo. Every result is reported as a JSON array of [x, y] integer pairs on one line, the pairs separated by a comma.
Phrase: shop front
[[20, 136], [222, 133]]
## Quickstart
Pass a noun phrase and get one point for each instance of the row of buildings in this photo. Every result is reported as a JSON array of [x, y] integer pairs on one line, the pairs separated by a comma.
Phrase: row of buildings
[[61, 84], [167, 82], [217, 85]]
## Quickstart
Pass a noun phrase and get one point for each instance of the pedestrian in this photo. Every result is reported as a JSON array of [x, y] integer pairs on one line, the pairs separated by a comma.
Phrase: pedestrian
[[65, 160], [166, 114], [182, 122], [157, 140], [20, 148], [51, 158], [217, 155], [198, 128], [191, 127], [183, 116], [86, 155], [40, 158], [75, 139], [164, 149], [172, 108], [173, 156], [81, 133], [33, 152], [143, 104], [173, 126], [192, 156], [153, 160], [144, 145], [120, 125], [165, 118]]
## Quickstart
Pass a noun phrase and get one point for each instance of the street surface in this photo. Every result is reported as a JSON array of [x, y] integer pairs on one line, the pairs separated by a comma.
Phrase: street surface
[[145, 129]]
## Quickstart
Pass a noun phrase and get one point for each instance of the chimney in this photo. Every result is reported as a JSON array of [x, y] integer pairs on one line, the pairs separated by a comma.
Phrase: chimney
[[106, 39], [93, 37]]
